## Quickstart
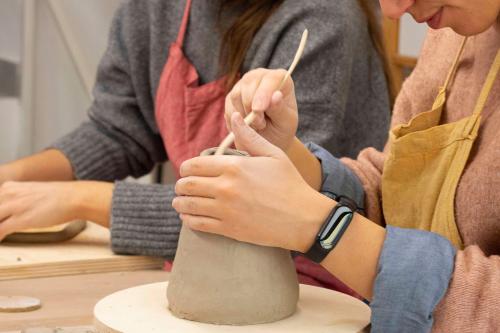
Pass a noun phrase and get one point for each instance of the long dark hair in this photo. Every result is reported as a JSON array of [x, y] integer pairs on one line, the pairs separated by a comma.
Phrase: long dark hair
[[375, 29], [238, 38]]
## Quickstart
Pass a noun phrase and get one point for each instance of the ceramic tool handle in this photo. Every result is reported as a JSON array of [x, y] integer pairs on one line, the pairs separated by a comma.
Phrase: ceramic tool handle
[[228, 141]]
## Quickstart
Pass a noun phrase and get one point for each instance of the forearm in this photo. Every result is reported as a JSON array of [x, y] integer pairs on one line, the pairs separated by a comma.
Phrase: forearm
[[403, 272], [49, 165], [355, 258], [306, 163]]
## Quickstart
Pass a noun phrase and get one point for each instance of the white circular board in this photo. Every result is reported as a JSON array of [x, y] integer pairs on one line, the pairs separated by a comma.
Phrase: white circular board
[[145, 309]]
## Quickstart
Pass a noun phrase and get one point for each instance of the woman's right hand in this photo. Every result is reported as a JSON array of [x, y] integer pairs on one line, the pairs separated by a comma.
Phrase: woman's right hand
[[275, 108]]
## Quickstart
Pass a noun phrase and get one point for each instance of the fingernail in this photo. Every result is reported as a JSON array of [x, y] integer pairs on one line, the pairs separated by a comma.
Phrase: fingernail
[[277, 96]]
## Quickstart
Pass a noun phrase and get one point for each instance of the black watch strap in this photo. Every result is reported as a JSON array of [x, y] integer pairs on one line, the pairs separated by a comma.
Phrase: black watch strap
[[332, 230]]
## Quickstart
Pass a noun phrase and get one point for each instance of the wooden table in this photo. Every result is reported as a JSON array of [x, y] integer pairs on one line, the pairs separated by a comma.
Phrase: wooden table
[[68, 300], [89, 252]]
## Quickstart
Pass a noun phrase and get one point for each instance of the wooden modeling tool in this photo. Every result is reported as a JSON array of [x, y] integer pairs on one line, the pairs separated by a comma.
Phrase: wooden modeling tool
[[54, 234], [228, 141]]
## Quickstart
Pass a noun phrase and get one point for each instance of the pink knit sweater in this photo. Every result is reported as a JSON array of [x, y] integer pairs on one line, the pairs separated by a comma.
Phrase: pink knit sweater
[[472, 302]]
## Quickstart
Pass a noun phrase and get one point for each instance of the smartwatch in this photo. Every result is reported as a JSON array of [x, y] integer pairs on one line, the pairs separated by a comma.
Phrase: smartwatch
[[332, 230]]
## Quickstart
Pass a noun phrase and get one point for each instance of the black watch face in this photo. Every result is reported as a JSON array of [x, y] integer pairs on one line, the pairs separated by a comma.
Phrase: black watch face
[[336, 224]]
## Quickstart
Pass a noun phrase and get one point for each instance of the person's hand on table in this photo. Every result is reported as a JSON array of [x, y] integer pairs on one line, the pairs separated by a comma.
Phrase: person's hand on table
[[275, 108], [261, 200], [26, 205]]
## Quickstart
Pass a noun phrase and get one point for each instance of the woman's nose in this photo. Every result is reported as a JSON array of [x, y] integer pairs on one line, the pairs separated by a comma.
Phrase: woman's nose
[[395, 8]]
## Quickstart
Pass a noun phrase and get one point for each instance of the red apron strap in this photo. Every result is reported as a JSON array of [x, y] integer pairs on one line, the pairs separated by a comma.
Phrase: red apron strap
[[185, 19]]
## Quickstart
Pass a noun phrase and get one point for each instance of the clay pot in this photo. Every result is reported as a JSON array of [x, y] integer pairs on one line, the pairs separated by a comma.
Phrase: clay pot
[[223, 281]]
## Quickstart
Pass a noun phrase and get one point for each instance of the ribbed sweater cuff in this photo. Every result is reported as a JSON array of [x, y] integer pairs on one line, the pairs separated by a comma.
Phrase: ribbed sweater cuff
[[92, 154], [143, 220]]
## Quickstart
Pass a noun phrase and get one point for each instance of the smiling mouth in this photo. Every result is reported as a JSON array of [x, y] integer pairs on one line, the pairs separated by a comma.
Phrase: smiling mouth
[[429, 18], [433, 21]]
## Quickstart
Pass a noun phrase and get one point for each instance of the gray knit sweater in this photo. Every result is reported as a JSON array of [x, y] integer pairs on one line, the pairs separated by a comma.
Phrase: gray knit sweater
[[340, 85]]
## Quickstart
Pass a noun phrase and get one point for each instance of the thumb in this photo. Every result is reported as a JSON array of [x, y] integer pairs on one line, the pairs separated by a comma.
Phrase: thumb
[[248, 140]]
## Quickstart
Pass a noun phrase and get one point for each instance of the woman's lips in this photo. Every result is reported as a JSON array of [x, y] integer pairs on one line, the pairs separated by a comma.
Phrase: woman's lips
[[435, 21]]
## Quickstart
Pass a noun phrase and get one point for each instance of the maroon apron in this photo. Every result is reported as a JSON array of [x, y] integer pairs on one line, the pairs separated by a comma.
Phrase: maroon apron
[[190, 118]]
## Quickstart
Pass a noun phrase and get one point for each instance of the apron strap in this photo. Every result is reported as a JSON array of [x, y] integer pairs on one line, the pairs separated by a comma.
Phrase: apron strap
[[185, 20], [490, 79], [454, 67]]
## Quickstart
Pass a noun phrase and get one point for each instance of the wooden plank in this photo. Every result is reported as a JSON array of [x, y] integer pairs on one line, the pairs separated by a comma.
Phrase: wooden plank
[[405, 61], [89, 252], [390, 30], [69, 300]]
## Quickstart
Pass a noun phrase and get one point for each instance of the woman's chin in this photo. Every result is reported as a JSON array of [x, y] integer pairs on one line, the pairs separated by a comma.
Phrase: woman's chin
[[474, 29]]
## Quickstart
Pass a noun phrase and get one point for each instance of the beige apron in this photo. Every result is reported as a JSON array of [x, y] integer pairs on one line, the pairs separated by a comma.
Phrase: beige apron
[[426, 161]]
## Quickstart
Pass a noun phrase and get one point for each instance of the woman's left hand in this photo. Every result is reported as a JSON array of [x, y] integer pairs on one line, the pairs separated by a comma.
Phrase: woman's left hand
[[27, 205], [260, 199]]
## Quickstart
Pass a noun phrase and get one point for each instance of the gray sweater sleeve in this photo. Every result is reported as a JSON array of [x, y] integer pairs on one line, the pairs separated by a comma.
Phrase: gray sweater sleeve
[[143, 220]]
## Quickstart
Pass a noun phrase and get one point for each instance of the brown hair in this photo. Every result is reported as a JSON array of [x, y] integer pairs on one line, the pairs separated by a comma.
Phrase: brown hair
[[375, 30], [239, 36]]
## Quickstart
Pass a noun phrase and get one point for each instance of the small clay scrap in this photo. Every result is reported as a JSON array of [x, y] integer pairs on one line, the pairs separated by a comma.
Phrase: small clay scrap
[[19, 304]]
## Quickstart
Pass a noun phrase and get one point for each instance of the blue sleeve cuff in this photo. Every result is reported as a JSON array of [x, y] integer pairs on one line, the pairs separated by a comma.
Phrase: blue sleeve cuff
[[414, 270], [337, 179]]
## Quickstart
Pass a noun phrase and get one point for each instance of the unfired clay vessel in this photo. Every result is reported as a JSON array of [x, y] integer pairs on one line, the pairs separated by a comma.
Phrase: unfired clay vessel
[[223, 281]]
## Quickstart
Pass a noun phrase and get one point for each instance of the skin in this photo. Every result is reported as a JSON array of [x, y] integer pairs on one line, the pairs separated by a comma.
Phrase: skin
[[39, 191], [261, 199], [465, 17]]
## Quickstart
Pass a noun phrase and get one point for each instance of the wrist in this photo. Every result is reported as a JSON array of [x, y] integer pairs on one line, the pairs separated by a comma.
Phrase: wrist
[[306, 163], [91, 201], [293, 147], [320, 208]]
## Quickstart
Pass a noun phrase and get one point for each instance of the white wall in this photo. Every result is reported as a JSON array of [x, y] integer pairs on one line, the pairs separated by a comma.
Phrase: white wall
[[54, 95], [411, 36], [10, 29], [59, 99], [10, 46]]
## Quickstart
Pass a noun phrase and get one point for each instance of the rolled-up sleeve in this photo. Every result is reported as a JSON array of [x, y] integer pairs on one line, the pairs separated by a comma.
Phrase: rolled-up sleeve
[[414, 271], [337, 179]]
